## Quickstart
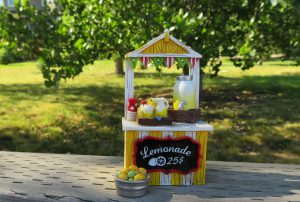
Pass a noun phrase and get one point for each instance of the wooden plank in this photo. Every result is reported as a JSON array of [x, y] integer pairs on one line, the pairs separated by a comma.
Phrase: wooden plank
[[8, 198], [68, 177]]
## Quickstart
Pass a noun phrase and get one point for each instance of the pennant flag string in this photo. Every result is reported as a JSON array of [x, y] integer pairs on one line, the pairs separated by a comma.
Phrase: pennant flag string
[[193, 61], [169, 61], [145, 61], [158, 61], [181, 61], [133, 62]]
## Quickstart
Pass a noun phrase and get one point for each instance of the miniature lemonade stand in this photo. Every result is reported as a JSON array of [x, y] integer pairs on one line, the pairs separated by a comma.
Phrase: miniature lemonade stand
[[173, 154]]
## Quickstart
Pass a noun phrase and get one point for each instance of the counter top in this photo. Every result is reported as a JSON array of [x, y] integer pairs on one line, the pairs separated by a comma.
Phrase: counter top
[[199, 126]]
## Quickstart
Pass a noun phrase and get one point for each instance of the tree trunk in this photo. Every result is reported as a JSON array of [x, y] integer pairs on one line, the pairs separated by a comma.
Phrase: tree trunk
[[119, 66], [201, 84]]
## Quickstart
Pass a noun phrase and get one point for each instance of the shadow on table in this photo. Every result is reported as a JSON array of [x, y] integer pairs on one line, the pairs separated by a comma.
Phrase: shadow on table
[[250, 114], [234, 184], [89, 178]]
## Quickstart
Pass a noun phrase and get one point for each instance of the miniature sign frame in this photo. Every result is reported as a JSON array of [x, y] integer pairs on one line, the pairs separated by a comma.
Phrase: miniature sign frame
[[181, 155]]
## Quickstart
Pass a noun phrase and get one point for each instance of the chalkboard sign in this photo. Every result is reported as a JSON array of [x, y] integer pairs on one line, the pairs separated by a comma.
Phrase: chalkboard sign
[[180, 155]]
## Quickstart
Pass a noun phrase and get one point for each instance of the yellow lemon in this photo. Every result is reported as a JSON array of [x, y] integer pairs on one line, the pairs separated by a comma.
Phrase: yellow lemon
[[151, 102], [176, 105], [122, 177], [139, 177], [148, 116], [125, 171], [163, 113], [143, 170], [133, 167], [140, 113], [131, 173]]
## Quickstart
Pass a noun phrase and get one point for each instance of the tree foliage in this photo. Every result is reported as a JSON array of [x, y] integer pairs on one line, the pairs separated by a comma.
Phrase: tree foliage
[[26, 30], [77, 32], [245, 31]]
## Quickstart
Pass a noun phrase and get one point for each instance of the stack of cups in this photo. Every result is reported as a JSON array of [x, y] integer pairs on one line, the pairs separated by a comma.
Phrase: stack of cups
[[131, 116]]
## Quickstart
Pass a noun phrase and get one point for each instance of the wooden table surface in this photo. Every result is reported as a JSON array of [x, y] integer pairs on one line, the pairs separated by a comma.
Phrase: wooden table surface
[[65, 177]]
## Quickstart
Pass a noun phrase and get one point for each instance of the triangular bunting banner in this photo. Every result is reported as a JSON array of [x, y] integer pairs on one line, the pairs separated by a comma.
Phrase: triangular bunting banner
[[133, 62], [193, 61], [158, 61], [169, 61], [145, 61], [181, 61]]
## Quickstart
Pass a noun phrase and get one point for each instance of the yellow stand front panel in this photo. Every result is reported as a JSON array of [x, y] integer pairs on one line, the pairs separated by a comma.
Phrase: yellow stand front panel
[[176, 178]]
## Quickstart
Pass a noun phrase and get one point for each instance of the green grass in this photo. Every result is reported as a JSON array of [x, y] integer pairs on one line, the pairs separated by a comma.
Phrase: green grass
[[255, 113]]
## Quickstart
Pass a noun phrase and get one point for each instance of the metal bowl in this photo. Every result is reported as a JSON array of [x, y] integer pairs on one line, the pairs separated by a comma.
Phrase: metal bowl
[[132, 189]]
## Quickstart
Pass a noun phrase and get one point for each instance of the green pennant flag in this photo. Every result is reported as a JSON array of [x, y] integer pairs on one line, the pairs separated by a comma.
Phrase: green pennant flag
[[157, 61], [133, 62], [181, 61]]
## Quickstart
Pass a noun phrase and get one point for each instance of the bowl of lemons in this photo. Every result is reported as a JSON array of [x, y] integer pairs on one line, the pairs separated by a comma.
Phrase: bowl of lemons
[[132, 181]]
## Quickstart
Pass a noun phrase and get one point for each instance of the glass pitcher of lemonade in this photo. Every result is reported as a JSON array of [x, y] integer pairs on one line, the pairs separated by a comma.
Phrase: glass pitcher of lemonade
[[185, 91]]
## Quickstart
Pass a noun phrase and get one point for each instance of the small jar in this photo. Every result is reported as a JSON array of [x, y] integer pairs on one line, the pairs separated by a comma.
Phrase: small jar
[[131, 116]]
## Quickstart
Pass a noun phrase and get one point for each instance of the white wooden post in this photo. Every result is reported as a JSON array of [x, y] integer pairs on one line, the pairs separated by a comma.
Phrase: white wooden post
[[129, 88], [195, 72]]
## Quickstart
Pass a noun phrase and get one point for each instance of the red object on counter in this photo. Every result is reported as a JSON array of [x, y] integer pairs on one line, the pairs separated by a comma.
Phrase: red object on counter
[[143, 102], [132, 105]]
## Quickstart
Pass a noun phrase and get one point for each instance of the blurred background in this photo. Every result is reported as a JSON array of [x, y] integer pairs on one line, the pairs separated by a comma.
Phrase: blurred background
[[62, 75]]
